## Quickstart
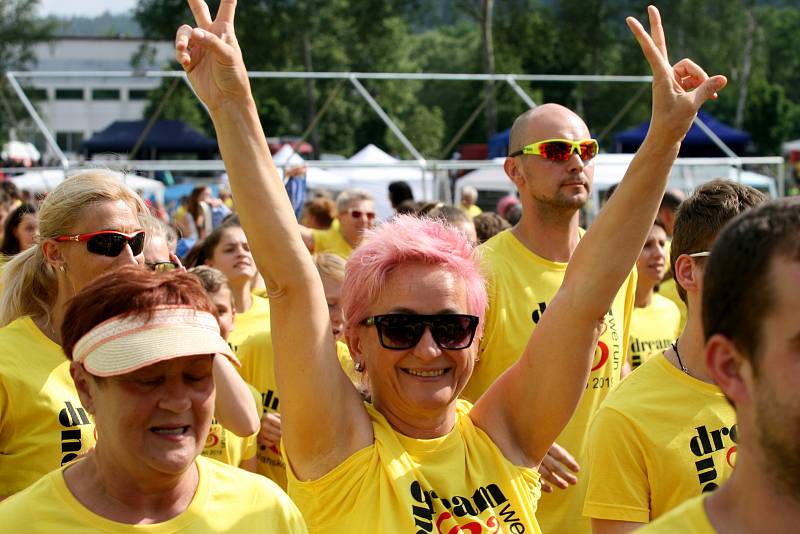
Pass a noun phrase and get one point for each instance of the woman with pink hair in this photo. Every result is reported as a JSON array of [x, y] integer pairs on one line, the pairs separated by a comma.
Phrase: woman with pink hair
[[416, 458]]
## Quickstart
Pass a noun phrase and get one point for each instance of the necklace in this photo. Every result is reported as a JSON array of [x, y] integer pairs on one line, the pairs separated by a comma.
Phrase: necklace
[[678, 354]]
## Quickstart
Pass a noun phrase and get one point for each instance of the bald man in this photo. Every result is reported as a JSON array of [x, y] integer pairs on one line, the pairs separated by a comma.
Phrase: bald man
[[551, 163]]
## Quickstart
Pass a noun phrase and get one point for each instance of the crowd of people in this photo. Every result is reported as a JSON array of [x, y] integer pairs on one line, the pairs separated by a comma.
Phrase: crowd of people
[[312, 369]]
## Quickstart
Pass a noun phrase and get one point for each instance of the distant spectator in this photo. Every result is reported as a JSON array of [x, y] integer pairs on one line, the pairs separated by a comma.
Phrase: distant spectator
[[488, 224], [669, 206], [469, 195], [407, 207], [505, 203], [355, 211], [514, 213], [399, 192], [197, 222], [456, 218], [295, 184], [318, 213], [20, 230]]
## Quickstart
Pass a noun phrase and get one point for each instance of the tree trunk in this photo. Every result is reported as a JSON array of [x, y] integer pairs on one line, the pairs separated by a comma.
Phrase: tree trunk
[[746, 60], [488, 65], [311, 97]]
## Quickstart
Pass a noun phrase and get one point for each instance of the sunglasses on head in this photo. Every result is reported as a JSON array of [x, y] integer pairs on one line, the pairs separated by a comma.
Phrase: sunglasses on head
[[400, 331], [560, 149], [357, 214], [161, 266], [108, 242]]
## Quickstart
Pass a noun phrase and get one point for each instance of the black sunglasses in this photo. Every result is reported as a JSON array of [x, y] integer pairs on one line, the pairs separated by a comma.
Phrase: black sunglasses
[[108, 242], [401, 331]]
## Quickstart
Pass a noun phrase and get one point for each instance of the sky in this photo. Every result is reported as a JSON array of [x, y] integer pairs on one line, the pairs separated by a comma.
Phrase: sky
[[66, 8]]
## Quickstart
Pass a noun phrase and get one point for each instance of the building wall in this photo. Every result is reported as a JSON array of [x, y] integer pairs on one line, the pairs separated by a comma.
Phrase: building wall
[[74, 108]]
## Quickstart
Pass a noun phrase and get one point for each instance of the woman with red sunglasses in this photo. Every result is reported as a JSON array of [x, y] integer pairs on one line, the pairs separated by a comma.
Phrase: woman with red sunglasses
[[90, 224], [416, 458]]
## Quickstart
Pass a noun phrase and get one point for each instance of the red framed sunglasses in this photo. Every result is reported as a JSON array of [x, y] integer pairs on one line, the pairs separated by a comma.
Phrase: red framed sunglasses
[[560, 149], [357, 214], [108, 242]]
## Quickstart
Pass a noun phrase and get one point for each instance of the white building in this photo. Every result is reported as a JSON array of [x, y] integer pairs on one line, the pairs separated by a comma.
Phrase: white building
[[75, 108]]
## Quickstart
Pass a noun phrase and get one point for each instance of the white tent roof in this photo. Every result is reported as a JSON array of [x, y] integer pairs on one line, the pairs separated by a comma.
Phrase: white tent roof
[[44, 181], [20, 151], [376, 179]]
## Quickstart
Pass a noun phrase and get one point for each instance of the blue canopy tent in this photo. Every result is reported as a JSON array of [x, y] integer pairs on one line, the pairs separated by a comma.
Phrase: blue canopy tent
[[166, 137], [498, 144], [696, 143]]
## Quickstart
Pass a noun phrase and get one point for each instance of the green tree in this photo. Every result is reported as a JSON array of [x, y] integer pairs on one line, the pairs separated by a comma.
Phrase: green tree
[[19, 31]]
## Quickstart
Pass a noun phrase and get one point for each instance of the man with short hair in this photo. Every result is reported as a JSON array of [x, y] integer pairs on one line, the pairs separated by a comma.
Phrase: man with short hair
[[665, 434], [751, 294], [355, 214], [551, 163]]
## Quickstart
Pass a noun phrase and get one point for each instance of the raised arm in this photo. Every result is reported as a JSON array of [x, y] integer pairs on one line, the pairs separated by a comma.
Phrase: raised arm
[[529, 405], [322, 414]]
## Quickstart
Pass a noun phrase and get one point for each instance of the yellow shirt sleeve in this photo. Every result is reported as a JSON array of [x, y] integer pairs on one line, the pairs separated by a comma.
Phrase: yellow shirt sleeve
[[688, 518]]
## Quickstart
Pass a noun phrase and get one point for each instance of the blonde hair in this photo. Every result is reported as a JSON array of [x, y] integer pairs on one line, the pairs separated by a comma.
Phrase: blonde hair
[[29, 283], [330, 265]]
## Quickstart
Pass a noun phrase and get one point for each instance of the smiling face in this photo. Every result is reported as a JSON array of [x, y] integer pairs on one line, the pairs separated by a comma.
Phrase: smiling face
[[232, 256], [153, 421], [425, 380], [82, 266], [652, 262], [561, 185]]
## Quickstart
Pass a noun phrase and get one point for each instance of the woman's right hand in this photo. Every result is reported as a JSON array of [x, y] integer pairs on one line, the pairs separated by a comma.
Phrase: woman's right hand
[[211, 57]]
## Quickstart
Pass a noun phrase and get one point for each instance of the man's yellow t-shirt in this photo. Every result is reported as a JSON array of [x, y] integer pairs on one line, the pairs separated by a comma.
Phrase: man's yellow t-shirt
[[659, 439], [227, 500], [42, 423], [688, 518], [331, 240], [225, 446], [472, 211], [521, 285], [460, 482], [253, 321], [258, 370], [654, 329]]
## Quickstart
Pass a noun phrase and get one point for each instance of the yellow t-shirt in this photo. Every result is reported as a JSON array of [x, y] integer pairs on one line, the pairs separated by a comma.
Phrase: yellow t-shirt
[[660, 438], [331, 240], [472, 211], [258, 370], [42, 423], [521, 284], [253, 321], [225, 446], [653, 329], [227, 500], [688, 518], [401, 484]]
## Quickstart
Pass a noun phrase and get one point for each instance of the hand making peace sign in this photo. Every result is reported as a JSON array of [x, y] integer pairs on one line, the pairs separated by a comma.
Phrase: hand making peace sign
[[211, 56], [678, 91]]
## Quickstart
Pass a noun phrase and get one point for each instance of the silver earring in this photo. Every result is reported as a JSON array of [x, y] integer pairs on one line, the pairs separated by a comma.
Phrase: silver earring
[[359, 366]]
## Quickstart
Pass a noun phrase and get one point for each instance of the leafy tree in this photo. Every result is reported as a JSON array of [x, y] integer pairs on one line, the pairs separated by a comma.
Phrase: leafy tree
[[19, 31]]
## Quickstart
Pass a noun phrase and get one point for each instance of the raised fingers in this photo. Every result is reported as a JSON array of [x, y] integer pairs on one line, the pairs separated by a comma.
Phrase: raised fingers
[[202, 15], [226, 12], [658, 64], [657, 31], [689, 74]]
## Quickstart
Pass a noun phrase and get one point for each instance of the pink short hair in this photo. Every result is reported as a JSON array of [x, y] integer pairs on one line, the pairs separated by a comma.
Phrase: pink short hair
[[407, 239]]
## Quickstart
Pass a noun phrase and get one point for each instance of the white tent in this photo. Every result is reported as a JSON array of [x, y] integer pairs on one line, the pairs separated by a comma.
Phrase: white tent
[[47, 180], [315, 177], [374, 170], [17, 150]]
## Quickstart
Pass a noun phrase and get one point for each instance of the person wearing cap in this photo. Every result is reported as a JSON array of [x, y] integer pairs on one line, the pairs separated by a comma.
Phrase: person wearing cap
[[417, 458], [142, 349]]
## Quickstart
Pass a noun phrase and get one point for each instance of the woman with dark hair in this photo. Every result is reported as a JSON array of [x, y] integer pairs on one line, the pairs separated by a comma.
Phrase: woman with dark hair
[[142, 349], [20, 231], [196, 222]]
